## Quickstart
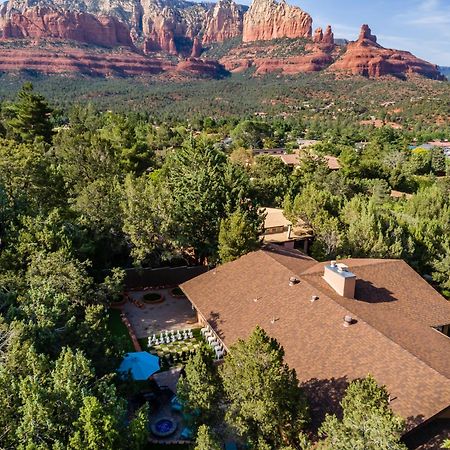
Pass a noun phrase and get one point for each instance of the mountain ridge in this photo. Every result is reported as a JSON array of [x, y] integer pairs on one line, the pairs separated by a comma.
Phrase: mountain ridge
[[181, 29]]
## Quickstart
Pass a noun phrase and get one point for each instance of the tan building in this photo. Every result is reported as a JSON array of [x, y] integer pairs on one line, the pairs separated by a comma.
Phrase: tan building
[[279, 230], [338, 322]]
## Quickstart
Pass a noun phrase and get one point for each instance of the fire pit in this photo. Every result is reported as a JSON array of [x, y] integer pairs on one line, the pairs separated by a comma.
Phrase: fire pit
[[164, 427]]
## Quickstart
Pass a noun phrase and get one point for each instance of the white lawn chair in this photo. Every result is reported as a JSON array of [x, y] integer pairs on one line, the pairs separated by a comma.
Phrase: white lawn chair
[[190, 334]]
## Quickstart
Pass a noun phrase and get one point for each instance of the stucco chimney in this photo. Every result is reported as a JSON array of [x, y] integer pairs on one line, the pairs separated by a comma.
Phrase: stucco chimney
[[289, 231], [340, 279]]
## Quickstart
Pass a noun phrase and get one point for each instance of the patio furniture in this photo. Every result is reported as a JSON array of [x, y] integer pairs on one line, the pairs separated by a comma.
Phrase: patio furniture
[[203, 331], [175, 404], [140, 365], [190, 334], [187, 433], [219, 354]]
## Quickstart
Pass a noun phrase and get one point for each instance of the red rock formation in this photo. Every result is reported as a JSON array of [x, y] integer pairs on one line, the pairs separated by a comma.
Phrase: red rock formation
[[321, 38], [267, 19], [161, 37], [223, 22], [328, 37], [314, 57], [40, 22], [318, 36], [196, 48], [366, 33], [201, 67], [59, 59], [366, 57]]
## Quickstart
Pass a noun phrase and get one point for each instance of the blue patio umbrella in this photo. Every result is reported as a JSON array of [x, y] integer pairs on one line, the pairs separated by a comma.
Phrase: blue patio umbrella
[[141, 364]]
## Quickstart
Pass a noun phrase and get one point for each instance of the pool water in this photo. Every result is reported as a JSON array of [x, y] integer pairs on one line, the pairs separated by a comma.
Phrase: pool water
[[164, 426]]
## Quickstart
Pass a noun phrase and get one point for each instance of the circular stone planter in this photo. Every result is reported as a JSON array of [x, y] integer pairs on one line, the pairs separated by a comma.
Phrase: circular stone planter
[[176, 292], [119, 304], [152, 297], [164, 427]]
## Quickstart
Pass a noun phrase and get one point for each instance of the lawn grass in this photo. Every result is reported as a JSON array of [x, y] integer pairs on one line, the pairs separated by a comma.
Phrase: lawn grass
[[118, 329]]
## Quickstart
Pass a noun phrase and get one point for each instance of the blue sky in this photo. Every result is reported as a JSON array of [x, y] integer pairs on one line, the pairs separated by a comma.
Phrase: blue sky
[[419, 26]]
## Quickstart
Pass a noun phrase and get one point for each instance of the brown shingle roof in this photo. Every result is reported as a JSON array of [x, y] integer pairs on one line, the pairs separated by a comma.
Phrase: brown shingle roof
[[392, 339]]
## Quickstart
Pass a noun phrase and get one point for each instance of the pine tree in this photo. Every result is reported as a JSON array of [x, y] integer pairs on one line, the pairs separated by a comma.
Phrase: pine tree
[[368, 422], [205, 439], [238, 236], [266, 404], [200, 388], [30, 116]]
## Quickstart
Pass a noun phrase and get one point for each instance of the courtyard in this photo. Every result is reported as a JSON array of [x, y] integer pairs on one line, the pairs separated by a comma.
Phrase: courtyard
[[172, 314]]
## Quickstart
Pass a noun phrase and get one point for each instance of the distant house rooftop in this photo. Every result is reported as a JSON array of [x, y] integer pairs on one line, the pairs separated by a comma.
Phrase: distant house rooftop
[[338, 322], [399, 194], [279, 230]]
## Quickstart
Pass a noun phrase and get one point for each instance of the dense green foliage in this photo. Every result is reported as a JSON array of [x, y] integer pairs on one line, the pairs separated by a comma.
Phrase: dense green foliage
[[84, 193], [368, 423], [266, 405]]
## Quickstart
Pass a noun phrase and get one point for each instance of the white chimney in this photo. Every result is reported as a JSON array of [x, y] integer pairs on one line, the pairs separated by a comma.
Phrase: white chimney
[[289, 231], [340, 279]]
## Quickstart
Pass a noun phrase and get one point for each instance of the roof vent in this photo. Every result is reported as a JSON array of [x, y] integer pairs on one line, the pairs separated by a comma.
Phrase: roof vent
[[314, 298], [348, 320], [340, 279], [293, 281], [342, 267]]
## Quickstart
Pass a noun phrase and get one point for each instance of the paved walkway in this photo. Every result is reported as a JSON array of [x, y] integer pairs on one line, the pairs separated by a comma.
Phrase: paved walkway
[[171, 314]]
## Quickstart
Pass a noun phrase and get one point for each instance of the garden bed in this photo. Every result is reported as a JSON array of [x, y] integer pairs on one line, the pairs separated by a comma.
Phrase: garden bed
[[151, 298]]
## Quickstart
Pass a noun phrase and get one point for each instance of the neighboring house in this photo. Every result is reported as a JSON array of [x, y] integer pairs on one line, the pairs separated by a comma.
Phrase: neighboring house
[[399, 194], [294, 159], [337, 323], [279, 230], [269, 151], [304, 143], [445, 145]]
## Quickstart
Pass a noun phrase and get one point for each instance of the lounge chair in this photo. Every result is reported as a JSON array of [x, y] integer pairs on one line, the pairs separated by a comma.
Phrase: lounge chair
[[187, 433]]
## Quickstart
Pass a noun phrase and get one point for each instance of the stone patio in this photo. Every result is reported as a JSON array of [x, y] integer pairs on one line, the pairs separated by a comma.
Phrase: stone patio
[[172, 314]]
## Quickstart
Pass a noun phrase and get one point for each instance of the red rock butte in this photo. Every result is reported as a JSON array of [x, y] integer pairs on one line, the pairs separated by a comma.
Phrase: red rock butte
[[267, 20], [154, 33]]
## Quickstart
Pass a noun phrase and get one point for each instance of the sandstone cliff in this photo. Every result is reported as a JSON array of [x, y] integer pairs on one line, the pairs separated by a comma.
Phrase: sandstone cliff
[[39, 22], [180, 27], [56, 58], [367, 58], [224, 21], [267, 19]]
